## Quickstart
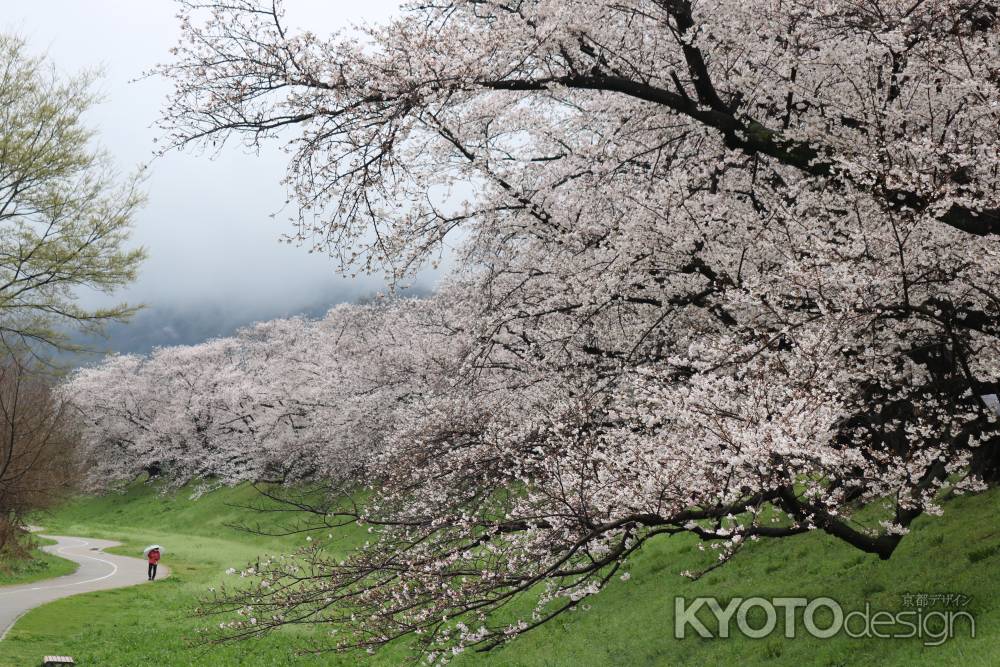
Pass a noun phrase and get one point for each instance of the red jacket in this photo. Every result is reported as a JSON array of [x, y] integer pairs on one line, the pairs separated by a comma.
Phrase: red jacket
[[154, 556]]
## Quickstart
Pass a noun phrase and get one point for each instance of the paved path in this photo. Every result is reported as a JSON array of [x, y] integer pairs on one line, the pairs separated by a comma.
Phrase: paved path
[[98, 571]]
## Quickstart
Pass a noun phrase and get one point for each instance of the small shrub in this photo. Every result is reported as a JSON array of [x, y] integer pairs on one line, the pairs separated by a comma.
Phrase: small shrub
[[977, 555]]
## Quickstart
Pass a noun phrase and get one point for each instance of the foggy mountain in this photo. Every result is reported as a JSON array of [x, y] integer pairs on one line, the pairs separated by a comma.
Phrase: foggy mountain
[[188, 324]]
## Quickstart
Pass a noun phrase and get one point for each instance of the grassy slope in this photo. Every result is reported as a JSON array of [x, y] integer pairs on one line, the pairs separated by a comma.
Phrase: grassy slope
[[631, 623], [40, 566]]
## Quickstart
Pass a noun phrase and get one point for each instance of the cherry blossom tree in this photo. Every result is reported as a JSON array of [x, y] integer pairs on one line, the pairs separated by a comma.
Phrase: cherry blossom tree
[[725, 269]]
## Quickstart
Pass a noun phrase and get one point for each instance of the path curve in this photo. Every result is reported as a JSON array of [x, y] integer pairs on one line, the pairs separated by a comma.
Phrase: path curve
[[98, 571]]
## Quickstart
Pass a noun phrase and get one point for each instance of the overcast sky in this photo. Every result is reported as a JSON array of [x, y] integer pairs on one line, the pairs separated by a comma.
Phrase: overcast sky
[[211, 241]]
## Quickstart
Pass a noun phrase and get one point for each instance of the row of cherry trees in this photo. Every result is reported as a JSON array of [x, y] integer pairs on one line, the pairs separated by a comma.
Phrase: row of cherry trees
[[282, 401], [724, 268]]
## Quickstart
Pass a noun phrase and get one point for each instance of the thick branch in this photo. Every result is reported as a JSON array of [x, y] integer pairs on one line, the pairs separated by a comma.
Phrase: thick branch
[[753, 138]]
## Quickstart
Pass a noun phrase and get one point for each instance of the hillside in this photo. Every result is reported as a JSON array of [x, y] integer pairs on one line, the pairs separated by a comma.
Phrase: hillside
[[39, 565], [631, 623]]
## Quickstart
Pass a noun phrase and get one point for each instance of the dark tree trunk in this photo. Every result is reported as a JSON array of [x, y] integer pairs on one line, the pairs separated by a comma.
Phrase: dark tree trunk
[[986, 462]]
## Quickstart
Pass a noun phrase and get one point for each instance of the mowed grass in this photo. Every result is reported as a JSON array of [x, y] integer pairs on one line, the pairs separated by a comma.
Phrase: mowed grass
[[39, 565], [155, 624], [630, 623]]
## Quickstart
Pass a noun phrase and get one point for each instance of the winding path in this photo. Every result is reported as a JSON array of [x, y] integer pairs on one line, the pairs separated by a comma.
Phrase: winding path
[[98, 571]]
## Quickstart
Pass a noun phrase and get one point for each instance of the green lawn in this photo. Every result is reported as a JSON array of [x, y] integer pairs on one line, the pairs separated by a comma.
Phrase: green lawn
[[631, 623], [39, 566]]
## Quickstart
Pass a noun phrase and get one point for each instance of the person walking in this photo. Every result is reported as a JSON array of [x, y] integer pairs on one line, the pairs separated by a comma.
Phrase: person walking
[[154, 559]]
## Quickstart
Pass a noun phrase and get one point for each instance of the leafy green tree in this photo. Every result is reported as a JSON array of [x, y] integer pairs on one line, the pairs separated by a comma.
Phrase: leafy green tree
[[65, 214]]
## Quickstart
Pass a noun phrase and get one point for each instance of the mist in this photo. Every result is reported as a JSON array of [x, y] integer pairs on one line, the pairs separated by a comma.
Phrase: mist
[[213, 222]]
